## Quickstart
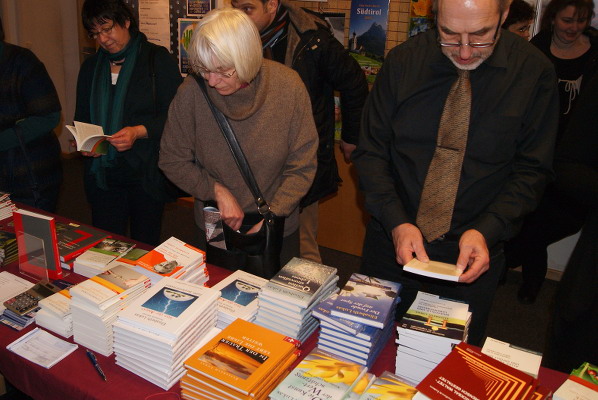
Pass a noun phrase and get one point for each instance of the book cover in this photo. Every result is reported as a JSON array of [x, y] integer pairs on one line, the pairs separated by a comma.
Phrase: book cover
[[588, 372], [388, 385], [169, 307], [242, 355], [169, 258], [239, 293], [524, 360], [74, 239], [322, 375], [367, 300], [435, 315], [576, 388], [433, 269], [105, 251], [37, 244], [322, 311], [89, 137], [466, 373], [300, 281], [213, 226]]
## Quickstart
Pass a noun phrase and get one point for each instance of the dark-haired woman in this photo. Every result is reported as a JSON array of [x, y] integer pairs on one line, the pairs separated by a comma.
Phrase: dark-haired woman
[[569, 41], [126, 87]]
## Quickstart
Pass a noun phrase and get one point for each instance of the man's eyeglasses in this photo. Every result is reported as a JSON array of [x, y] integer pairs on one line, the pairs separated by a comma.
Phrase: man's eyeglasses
[[103, 31], [475, 45], [206, 73]]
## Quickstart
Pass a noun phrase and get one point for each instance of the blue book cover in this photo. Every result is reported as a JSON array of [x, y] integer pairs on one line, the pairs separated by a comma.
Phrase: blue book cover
[[367, 300], [322, 311]]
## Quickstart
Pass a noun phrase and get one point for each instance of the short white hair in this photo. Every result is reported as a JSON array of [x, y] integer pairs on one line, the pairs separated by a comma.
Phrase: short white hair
[[227, 38]]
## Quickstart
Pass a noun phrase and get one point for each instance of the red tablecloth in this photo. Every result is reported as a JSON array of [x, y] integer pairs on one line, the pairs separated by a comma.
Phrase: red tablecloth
[[75, 378]]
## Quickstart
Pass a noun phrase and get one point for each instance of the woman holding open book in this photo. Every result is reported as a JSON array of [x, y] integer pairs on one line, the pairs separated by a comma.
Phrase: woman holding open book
[[126, 88], [269, 111]]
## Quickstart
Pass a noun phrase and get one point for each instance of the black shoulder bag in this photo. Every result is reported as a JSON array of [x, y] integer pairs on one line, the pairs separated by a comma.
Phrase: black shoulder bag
[[257, 253]]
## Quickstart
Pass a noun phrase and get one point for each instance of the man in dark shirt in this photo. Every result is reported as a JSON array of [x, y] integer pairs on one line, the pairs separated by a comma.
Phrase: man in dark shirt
[[507, 158]]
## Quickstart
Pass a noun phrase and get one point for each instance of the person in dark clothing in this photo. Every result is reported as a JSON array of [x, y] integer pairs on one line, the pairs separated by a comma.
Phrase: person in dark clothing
[[572, 45], [506, 161], [574, 323], [301, 40], [520, 18], [30, 167], [126, 87]]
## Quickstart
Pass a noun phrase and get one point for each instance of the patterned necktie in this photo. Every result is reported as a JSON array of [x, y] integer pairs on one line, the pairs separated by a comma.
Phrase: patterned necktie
[[440, 187]]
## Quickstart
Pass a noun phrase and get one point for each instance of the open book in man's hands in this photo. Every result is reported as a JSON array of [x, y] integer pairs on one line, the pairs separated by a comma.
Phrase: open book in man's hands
[[89, 137], [433, 269]]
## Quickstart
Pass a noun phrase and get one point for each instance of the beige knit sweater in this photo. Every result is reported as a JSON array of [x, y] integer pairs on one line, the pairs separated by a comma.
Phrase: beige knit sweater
[[273, 122]]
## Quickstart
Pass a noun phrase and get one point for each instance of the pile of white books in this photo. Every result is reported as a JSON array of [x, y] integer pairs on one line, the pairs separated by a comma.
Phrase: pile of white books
[[354, 341], [238, 297], [287, 300], [55, 313], [6, 206], [176, 259], [427, 334], [96, 302], [98, 258], [162, 328]]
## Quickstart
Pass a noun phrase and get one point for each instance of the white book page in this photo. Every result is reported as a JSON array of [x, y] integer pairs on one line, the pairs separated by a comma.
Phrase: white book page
[[42, 348]]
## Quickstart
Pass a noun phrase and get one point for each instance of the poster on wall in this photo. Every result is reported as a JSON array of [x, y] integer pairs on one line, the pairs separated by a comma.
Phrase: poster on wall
[[197, 8], [154, 21], [420, 16], [367, 34], [186, 26]]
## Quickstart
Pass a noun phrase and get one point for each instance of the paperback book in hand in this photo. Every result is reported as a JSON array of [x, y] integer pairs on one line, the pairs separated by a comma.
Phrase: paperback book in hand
[[89, 137]]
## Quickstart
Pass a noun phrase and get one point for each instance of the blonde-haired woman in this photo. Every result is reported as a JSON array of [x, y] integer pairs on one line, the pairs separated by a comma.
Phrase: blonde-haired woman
[[269, 111]]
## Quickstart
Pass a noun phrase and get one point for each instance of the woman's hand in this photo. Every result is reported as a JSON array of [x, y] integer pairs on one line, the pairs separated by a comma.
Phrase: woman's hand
[[126, 137], [230, 211]]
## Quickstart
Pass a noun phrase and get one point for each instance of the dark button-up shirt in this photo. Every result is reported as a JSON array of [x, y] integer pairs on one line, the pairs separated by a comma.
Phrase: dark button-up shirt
[[510, 142]]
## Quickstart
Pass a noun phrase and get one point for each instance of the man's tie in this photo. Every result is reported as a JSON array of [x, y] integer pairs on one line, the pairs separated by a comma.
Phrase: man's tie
[[440, 187]]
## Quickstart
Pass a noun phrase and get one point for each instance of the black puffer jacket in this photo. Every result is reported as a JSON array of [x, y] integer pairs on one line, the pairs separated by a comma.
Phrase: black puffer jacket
[[325, 66]]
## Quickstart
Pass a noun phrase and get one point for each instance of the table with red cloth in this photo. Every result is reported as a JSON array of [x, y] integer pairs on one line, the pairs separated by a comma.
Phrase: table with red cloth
[[75, 378]]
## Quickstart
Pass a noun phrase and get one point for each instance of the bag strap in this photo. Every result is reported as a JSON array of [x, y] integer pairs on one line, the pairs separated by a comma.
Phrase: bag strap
[[233, 144]]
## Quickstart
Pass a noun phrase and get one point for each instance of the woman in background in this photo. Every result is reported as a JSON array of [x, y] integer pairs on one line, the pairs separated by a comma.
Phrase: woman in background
[[126, 87], [269, 111], [30, 168], [569, 41]]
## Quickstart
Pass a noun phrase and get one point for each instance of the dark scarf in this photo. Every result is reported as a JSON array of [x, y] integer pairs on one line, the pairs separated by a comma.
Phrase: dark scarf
[[106, 111], [276, 31]]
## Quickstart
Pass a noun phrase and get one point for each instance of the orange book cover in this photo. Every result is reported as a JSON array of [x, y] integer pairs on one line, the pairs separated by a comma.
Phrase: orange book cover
[[467, 373], [170, 257], [242, 356]]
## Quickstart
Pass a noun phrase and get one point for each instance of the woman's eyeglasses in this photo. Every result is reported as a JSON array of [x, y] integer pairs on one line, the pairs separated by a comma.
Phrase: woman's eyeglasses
[[206, 73], [103, 31]]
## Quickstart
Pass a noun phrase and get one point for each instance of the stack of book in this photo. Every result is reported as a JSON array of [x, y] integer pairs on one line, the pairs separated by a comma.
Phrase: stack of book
[[389, 386], [322, 375], [243, 361], [55, 313], [6, 206], [8, 248], [97, 259], [427, 333], [287, 300], [74, 239], [96, 302], [176, 259], [357, 323], [238, 297], [158, 332], [582, 384], [466, 373], [355, 341]]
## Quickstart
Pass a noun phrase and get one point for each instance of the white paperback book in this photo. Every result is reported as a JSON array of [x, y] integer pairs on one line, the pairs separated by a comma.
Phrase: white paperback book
[[522, 359], [168, 307], [239, 294]]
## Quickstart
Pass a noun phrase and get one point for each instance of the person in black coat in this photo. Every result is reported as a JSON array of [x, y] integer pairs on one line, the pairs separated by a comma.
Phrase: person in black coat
[[126, 87]]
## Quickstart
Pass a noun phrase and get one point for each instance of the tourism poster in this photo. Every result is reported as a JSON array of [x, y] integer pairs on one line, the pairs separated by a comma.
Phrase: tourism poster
[[186, 26], [421, 17], [367, 34]]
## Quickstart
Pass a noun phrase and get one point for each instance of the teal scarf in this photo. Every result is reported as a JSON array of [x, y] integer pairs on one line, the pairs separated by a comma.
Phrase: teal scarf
[[106, 111]]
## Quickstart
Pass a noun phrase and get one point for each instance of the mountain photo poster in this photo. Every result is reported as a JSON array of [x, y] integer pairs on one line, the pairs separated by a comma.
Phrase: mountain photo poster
[[367, 34]]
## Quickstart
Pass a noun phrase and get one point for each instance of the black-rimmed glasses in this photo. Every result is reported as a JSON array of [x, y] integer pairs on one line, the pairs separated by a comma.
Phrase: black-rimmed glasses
[[474, 44], [103, 31]]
